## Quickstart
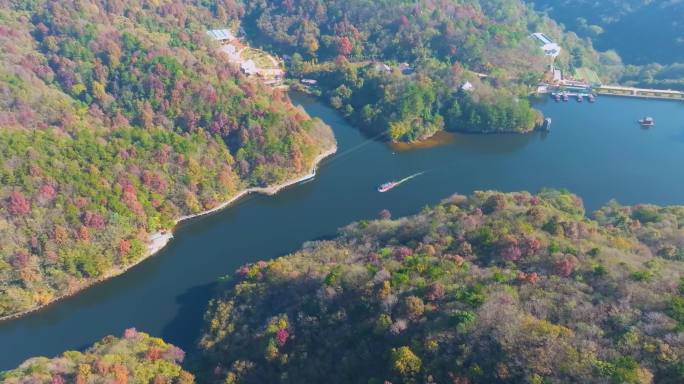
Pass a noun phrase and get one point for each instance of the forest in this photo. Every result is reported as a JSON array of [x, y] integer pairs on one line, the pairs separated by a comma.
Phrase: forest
[[648, 35], [134, 358], [487, 288], [117, 118], [373, 59]]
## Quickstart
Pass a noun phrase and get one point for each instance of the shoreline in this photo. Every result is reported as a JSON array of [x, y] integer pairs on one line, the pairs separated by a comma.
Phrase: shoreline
[[159, 240]]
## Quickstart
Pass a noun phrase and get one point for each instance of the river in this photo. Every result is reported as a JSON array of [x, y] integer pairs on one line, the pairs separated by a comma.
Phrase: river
[[595, 150]]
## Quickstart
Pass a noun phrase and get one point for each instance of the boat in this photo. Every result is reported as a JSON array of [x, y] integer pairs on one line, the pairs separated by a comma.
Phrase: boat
[[647, 122], [391, 184], [387, 186], [546, 126], [566, 97], [580, 98], [592, 98], [557, 97]]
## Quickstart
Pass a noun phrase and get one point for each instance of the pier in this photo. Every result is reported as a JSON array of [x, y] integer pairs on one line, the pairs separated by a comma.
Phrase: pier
[[617, 90]]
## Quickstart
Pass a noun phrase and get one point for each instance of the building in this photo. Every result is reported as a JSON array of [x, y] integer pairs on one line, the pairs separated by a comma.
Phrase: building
[[405, 68], [231, 51], [549, 47], [249, 68], [467, 86], [223, 36], [382, 67]]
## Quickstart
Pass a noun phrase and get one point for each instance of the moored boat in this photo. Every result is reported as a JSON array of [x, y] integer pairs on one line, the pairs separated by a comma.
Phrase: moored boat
[[647, 122]]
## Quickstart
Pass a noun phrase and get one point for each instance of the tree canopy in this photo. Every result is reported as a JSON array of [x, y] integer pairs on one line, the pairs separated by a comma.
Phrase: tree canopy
[[490, 288], [117, 118]]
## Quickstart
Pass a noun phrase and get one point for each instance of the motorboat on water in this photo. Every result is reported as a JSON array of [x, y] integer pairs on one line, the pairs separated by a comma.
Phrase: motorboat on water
[[647, 122], [391, 184], [387, 186]]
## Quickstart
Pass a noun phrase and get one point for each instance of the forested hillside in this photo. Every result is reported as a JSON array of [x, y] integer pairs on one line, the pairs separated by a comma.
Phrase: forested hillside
[[643, 32], [491, 288], [134, 358], [116, 117], [649, 35], [345, 45]]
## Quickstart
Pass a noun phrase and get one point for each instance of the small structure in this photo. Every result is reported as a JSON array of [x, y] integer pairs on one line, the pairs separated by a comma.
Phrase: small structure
[[382, 67], [249, 68], [549, 47], [557, 75], [223, 36], [467, 86], [405, 68], [309, 81], [231, 51]]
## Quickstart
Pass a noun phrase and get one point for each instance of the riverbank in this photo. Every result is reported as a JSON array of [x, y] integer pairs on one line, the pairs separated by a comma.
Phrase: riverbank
[[159, 240]]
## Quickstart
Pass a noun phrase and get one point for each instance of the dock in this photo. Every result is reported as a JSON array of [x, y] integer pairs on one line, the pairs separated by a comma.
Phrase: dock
[[617, 90]]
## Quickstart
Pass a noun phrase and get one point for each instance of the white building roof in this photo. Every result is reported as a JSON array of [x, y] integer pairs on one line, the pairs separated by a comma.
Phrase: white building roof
[[221, 34], [249, 67], [231, 51], [543, 38], [548, 46], [467, 86], [551, 49]]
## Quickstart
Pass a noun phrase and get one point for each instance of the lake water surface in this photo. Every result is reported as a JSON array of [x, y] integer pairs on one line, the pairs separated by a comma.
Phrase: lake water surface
[[595, 150]]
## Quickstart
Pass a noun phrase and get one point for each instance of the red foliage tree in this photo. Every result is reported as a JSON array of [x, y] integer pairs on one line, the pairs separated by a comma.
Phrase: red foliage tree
[[435, 292], [510, 250], [402, 253], [153, 353], [84, 234], [457, 259], [93, 220], [130, 333], [282, 336], [154, 181], [385, 214], [130, 198], [18, 204], [532, 245], [529, 278], [174, 354], [21, 259], [47, 192], [345, 46], [565, 267], [124, 247], [57, 379], [120, 374]]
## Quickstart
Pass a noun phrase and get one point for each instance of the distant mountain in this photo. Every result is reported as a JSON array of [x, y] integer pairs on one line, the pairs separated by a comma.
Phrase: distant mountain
[[491, 288], [642, 32]]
